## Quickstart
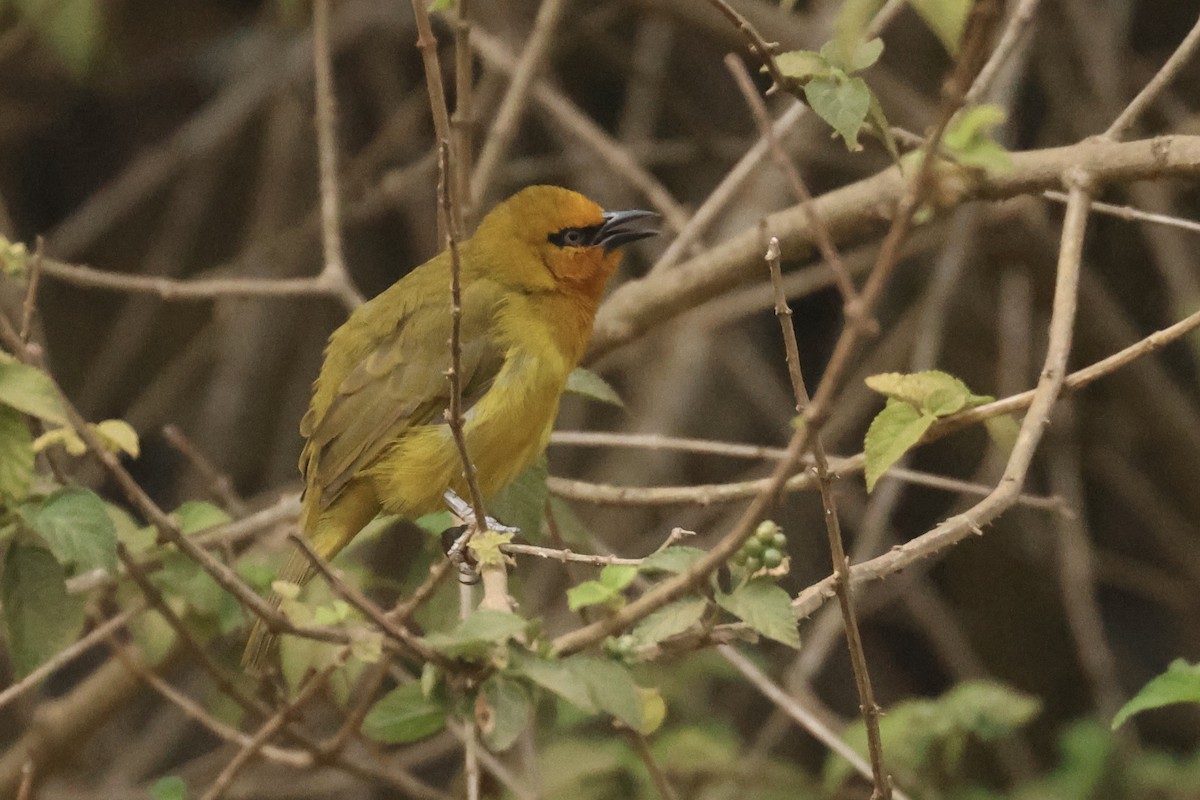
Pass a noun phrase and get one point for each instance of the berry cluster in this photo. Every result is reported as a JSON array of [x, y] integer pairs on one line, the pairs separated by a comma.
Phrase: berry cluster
[[762, 550]]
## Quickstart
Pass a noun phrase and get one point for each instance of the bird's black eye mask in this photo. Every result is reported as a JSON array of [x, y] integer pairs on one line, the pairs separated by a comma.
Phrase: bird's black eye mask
[[575, 237], [618, 228]]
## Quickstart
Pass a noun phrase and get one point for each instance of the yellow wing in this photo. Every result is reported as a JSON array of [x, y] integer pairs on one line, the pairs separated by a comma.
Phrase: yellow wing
[[369, 397]]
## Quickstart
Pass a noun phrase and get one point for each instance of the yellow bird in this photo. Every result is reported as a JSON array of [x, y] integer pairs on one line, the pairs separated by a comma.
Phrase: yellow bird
[[532, 277]]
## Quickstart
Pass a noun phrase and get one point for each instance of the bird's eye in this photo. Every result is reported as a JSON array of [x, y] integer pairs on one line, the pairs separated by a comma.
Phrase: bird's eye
[[574, 237]]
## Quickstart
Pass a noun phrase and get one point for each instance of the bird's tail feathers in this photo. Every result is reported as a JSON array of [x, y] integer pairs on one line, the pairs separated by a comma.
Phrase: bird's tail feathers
[[262, 642]]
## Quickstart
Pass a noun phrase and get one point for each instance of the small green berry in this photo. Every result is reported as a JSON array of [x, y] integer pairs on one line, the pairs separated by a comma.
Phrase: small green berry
[[753, 565], [779, 542], [772, 558], [766, 531]]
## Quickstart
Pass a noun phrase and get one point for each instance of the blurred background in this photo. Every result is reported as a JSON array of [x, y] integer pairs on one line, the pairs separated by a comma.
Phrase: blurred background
[[176, 140]]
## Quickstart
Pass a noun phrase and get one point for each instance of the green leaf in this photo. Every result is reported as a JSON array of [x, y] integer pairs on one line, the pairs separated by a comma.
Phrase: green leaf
[[523, 502], [851, 25], [1179, 684], [803, 65], [969, 139], [76, 526], [843, 102], [14, 256], [502, 711], [865, 55], [73, 28], [67, 438], [559, 677], [611, 687], [16, 457], [672, 559], [946, 18], [613, 578], [1003, 430], [404, 714], [618, 576], [194, 516], [31, 391], [589, 593], [586, 383], [476, 635], [40, 616], [764, 607], [171, 787], [118, 436], [486, 547], [893, 432], [671, 619], [932, 391], [928, 736]]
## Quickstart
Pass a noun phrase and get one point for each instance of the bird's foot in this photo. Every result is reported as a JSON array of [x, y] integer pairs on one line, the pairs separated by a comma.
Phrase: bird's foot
[[463, 510]]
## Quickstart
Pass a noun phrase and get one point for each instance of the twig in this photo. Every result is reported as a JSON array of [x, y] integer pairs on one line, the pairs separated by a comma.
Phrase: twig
[[758, 46], [568, 116], [463, 120], [196, 289], [802, 717], [723, 194], [1010, 40], [454, 413], [427, 44], [841, 565], [334, 272], [1154, 87], [815, 223], [1077, 571], [642, 749], [373, 612], [1130, 214], [194, 711], [220, 486], [504, 126], [272, 726], [30, 303], [567, 556], [69, 654]]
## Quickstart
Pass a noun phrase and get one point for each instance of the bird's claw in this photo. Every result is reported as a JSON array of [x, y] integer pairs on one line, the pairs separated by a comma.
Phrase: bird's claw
[[463, 510]]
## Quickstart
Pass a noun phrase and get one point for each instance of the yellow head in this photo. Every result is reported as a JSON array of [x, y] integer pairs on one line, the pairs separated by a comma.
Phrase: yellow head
[[547, 238]]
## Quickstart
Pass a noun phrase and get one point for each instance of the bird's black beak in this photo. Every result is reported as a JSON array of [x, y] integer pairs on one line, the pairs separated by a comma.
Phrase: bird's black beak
[[621, 227]]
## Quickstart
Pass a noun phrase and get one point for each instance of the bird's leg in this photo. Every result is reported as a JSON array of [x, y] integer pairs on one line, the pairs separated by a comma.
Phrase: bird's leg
[[455, 539], [462, 509]]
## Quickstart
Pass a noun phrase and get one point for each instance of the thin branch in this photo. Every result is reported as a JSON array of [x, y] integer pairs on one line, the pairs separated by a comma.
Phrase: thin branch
[[1010, 39], [197, 289], [763, 51], [567, 556], [69, 654], [563, 112], [220, 485], [800, 715], [30, 303], [463, 120], [642, 749], [720, 197], [1155, 86], [272, 726], [427, 44], [354, 597], [334, 272], [815, 223], [1130, 214], [841, 564], [534, 50]]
